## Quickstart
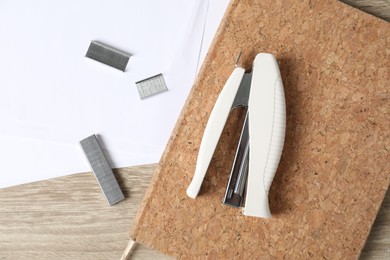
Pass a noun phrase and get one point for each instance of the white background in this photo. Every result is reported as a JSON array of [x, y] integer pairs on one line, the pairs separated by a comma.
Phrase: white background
[[51, 96]]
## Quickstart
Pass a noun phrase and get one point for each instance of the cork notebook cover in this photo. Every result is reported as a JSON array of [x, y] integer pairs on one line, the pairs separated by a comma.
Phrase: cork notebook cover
[[335, 166]]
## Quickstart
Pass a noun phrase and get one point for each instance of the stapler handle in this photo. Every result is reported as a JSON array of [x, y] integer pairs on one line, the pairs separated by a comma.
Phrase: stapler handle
[[267, 126], [214, 128]]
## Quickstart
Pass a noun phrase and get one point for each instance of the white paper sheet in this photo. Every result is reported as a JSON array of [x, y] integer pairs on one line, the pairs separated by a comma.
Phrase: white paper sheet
[[52, 96], [216, 10]]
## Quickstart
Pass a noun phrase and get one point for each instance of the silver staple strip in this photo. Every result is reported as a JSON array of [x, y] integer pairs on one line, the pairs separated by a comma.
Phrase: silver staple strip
[[108, 55], [151, 86], [102, 171]]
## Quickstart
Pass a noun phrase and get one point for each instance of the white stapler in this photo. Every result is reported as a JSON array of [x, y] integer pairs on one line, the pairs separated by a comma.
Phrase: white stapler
[[262, 136]]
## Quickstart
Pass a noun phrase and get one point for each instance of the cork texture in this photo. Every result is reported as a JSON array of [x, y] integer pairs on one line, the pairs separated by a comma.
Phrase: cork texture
[[334, 170]]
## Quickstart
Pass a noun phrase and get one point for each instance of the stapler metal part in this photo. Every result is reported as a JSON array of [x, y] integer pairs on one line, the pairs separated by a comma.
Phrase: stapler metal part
[[262, 137]]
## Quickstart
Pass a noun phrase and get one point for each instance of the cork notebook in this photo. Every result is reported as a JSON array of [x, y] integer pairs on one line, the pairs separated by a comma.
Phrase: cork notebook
[[335, 166]]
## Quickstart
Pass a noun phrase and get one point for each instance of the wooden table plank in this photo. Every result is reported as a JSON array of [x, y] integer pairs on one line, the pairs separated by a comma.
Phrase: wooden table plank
[[379, 8], [378, 242], [68, 218]]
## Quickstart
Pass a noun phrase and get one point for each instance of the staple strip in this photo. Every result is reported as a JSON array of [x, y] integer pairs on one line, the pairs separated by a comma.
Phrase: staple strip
[[151, 86], [108, 55], [102, 171]]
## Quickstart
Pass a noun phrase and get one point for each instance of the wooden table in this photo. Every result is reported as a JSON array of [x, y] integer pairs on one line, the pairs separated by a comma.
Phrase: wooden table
[[68, 218]]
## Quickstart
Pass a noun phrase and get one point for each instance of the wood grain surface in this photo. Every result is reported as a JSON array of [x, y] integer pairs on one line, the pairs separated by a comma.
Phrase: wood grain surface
[[68, 218]]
